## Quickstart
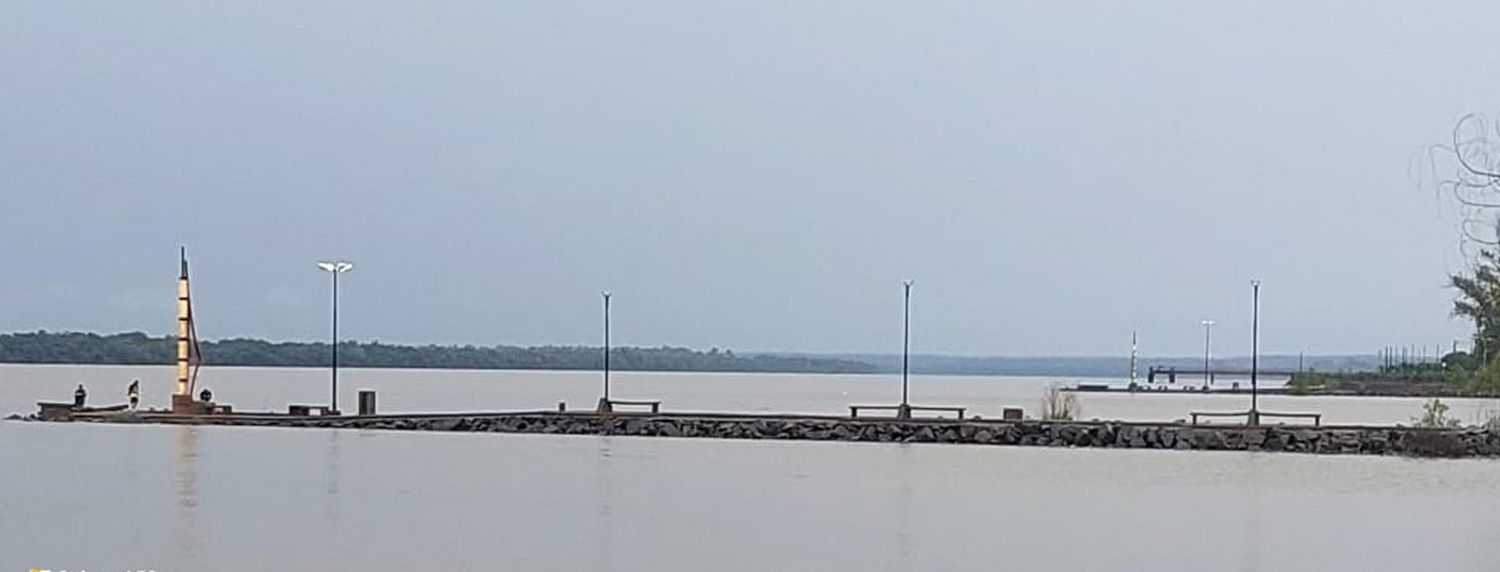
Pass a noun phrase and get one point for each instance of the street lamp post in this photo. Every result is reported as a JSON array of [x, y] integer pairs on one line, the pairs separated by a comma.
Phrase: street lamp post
[[905, 410], [1208, 327], [1254, 417], [335, 269], [606, 345]]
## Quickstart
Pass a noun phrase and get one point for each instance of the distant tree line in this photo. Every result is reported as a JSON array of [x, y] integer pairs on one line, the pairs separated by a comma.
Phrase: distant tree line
[[136, 348], [1117, 366]]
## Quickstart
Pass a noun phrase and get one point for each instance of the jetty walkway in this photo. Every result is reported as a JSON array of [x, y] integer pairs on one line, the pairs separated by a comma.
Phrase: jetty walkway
[[1328, 439]]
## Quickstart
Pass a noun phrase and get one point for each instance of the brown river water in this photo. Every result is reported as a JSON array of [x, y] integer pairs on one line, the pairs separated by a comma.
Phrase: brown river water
[[93, 497]]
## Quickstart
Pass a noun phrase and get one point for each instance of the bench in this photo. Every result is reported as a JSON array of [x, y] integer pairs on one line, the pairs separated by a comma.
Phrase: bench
[[608, 405], [904, 411], [854, 409], [48, 411], [1316, 417], [307, 410], [1197, 414], [957, 410]]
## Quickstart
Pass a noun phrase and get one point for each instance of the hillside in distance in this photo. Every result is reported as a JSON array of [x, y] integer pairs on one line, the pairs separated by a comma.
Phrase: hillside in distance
[[137, 348], [1097, 366]]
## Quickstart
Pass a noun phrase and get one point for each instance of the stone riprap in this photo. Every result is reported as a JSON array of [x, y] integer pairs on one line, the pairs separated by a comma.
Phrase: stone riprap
[[1368, 440]]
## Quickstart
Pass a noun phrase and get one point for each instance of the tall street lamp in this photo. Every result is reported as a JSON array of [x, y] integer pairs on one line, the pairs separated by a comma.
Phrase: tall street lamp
[[905, 410], [1254, 416], [1208, 327], [606, 345], [335, 269]]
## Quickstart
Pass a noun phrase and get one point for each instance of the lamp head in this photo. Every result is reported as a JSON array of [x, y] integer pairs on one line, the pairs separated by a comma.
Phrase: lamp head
[[339, 266]]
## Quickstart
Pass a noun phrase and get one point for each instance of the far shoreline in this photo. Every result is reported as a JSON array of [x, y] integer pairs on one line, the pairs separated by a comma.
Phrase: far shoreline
[[613, 371]]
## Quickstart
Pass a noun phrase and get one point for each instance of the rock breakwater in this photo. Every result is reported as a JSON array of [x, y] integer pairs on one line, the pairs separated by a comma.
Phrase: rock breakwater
[[1368, 440]]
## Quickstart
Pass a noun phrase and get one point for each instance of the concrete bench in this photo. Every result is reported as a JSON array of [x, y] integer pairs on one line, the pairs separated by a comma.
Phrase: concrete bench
[[854, 409], [60, 411], [1316, 417], [958, 410], [904, 411], [1197, 414], [608, 405], [307, 410]]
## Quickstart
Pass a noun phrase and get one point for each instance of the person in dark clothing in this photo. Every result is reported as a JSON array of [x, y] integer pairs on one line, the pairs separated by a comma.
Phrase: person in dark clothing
[[134, 393], [79, 396]]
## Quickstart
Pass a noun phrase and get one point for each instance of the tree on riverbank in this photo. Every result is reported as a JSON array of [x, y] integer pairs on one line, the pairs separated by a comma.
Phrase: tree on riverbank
[[1479, 301], [1468, 170]]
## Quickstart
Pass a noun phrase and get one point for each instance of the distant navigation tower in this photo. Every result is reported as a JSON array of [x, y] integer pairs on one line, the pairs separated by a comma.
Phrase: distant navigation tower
[[1133, 348], [188, 357]]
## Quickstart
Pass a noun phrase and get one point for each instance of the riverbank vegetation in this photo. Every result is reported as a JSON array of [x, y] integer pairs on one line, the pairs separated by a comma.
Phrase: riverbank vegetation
[[1060, 405], [136, 348], [1435, 414], [1468, 170], [1427, 380]]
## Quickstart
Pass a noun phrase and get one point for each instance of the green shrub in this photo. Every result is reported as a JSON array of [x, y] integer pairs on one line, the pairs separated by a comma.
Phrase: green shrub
[[1435, 414]]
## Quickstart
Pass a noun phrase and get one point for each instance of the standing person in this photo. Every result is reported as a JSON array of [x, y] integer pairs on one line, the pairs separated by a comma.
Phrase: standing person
[[134, 393], [79, 396]]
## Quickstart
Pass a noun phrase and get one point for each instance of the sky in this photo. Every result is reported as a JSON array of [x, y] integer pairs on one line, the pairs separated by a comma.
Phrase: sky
[[748, 175]]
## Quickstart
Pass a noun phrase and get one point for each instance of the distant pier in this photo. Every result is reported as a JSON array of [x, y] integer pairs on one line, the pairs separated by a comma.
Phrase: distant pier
[[1184, 389], [1171, 373]]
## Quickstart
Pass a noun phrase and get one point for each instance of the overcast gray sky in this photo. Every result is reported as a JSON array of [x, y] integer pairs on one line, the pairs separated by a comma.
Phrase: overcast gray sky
[[753, 175]]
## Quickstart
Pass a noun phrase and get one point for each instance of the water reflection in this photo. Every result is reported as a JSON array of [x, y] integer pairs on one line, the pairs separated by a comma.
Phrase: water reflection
[[904, 491], [604, 540], [668, 504], [186, 528], [332, 501], [1253, 537]]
